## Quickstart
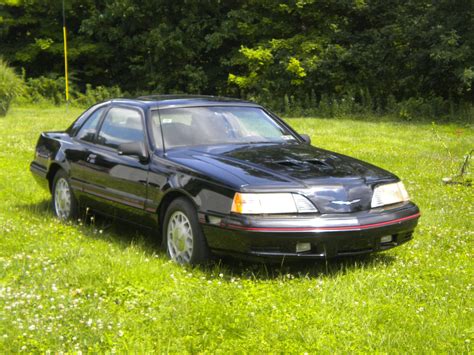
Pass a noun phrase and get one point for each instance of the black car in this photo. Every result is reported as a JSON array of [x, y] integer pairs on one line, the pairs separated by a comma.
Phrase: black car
[[221, 176]]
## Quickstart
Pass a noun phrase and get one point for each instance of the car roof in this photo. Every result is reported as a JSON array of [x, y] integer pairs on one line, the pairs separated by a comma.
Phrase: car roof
[[169, 101]]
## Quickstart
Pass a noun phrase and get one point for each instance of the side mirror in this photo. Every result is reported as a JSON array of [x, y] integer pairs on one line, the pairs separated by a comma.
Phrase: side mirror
[[134, 148], [306, 138]]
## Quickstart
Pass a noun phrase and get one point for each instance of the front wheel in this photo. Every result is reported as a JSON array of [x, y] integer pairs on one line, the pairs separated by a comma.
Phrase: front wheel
[[185, 242], [64, 203]]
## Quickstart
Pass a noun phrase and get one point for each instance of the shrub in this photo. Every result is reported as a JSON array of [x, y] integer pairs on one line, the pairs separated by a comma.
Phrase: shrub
[[434, 108], [97, 94], [11, 86], [45, 89], [360, 103], [51, 89]]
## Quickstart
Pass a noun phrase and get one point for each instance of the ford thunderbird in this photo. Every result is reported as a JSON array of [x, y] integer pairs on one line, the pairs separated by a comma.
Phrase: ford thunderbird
[[221, 176]]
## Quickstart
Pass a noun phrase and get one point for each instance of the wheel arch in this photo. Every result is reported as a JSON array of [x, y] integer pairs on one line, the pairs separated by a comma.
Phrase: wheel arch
[[201, 252], [53, 169], [168, 198]]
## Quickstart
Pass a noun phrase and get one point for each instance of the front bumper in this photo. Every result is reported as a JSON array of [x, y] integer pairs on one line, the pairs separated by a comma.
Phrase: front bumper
[[328, 235]]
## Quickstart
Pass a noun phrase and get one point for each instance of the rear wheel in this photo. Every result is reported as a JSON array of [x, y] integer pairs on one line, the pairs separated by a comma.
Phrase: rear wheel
[[184, 240], [64, 203]]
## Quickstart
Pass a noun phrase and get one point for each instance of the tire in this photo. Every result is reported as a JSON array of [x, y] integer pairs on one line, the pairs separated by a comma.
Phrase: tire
[[64, 202], [182, 235]]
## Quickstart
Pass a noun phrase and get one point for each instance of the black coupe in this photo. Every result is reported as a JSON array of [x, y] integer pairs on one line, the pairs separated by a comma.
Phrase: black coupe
[[222, 176]]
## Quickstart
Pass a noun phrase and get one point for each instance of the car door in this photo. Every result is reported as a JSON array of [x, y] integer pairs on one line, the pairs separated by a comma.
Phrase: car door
[[81, 171], [116, 180]]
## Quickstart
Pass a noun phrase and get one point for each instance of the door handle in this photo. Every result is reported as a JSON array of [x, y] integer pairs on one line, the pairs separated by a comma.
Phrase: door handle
[[91, 158]]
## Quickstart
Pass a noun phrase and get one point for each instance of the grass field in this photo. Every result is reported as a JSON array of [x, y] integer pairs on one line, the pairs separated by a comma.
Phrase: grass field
[[102, 286]]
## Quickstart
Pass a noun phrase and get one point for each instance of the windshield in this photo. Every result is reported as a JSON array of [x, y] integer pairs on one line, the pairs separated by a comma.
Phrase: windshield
[[191, 126]]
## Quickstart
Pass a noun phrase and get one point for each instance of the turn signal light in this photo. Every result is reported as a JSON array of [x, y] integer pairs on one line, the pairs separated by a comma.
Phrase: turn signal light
[[271, 203], [237, 203]]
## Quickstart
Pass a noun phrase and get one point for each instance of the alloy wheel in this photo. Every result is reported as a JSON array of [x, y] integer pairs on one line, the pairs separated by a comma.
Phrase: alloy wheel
[[62, 199], [180, 238]]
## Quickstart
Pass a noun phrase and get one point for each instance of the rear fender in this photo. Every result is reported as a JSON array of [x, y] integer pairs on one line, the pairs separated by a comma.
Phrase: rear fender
[[50, 153]]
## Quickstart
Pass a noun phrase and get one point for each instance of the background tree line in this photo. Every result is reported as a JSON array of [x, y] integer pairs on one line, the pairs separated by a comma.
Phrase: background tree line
[[299, 56]]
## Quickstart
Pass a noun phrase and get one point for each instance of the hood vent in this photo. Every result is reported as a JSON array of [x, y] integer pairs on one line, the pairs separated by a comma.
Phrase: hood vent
[[289, 163], [303, 163], [317, 162]]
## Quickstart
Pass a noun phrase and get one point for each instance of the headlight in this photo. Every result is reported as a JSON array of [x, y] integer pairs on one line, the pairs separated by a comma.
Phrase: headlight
[[271, 203], [388, 194]]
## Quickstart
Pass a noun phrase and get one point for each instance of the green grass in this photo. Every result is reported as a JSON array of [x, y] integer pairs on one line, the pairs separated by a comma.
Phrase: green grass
[[103, 286]]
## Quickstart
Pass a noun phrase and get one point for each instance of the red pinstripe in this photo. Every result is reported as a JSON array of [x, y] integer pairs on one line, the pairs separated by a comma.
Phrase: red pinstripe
[[310, 229]]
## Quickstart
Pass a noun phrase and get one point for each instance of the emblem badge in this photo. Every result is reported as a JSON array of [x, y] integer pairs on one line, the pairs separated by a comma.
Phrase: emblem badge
[[345, 203]]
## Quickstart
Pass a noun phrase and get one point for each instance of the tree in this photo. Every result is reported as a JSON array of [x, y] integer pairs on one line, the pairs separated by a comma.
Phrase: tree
[[368, 51]]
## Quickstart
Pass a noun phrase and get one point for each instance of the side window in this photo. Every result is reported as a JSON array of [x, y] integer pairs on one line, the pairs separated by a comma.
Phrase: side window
[[121, 125], [89, 128]]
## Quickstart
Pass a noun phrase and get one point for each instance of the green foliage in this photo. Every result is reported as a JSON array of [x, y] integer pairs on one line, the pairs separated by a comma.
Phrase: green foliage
[[295, 68], [100, 286], [45, 89], [379, 53], [430, 108], [11, 86], [94, 95], [361, 104], [51, 90]]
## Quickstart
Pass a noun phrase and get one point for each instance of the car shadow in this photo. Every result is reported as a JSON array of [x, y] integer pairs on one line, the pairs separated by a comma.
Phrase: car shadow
[[40, 208], [124, 234], [290, 269], [104, 227]]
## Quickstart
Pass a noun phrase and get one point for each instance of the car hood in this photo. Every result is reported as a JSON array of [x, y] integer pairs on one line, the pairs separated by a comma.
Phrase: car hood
[[334, 182]]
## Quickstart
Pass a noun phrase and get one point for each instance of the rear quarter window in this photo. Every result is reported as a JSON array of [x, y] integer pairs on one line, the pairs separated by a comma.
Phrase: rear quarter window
[[89, 128]]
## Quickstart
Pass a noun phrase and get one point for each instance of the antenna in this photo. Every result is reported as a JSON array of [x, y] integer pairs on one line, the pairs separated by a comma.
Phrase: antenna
[[65, 56]]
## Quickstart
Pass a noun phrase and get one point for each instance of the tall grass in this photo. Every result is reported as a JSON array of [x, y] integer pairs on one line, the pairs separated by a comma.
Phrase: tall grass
[[11, 86]]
